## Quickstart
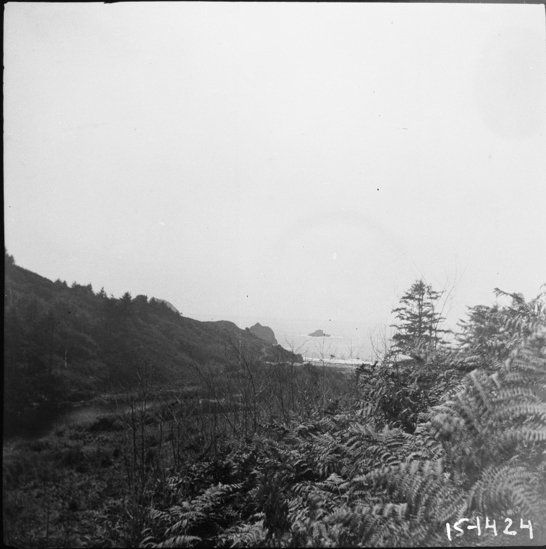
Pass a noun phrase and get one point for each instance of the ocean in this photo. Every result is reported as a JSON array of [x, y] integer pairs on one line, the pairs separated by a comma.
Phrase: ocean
[[330, 349], [349, 341]]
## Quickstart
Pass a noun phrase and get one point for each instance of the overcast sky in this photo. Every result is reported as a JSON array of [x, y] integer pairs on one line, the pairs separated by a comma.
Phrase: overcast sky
[[278, 161]]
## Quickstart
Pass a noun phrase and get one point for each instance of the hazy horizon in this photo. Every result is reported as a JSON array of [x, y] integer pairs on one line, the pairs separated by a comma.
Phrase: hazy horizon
[[289, 164]]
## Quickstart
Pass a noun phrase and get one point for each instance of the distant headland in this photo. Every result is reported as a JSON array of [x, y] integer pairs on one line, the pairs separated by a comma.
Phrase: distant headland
[[319, 333], [263, 332]]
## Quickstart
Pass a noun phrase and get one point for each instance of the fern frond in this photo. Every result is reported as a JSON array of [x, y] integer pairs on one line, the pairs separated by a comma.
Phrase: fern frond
[[245, 535], [526, 409], [178, 541], [507, 488]]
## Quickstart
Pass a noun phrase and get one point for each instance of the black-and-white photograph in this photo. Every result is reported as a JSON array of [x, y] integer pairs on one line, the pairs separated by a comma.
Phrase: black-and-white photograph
[[275, 274]]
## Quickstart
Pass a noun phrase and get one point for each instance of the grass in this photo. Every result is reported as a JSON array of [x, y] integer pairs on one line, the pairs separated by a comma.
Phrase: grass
[[93, 484], [89, 485], [70, 488]]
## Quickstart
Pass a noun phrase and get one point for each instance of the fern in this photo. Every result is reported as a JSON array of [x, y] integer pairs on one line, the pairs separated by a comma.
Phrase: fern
[[245, 535], [396, 466], [179, 523]]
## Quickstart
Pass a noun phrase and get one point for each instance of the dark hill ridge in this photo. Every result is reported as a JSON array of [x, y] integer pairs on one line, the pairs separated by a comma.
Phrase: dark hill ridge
[[67, 343]]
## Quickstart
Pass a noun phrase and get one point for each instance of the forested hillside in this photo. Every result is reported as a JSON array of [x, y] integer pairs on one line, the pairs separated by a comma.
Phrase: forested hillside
[[68, 343], [446, 448]]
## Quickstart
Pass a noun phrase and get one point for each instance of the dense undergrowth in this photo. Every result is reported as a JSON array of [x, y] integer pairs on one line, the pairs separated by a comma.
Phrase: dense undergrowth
[[66, 344], [388, 456]]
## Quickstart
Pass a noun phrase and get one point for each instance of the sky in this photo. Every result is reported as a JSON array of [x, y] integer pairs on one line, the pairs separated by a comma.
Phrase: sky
[[293, 164]]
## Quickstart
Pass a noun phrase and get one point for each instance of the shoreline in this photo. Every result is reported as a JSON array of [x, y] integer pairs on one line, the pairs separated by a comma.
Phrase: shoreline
[[335, 362]]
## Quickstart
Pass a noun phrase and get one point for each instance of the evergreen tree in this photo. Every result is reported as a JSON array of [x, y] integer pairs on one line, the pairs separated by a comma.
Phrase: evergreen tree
[[125, 305], [9, 261], [419, 323]]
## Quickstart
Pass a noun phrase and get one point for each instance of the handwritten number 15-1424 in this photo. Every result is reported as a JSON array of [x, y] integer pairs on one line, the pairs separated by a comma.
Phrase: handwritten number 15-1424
[[488, 525]]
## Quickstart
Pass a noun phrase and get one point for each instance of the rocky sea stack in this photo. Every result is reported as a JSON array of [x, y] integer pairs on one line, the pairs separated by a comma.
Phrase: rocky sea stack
[[319, 333], [263, 332]]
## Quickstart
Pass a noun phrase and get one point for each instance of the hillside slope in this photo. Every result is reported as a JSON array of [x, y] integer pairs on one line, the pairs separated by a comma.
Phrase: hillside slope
[[68, 343]]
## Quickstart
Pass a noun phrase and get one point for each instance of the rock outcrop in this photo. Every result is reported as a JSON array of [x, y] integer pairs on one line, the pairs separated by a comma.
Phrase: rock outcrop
[[319, 333], [263, 332], [169, 305]]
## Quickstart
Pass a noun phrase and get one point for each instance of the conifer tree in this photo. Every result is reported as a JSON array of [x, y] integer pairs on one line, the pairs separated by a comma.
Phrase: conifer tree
[[418, 330], [125, 302]]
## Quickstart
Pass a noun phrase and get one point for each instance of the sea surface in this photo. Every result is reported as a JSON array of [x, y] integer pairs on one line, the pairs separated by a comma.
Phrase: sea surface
[[329, 349], [349, 341]]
